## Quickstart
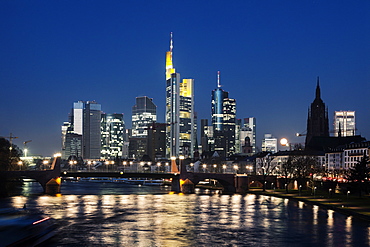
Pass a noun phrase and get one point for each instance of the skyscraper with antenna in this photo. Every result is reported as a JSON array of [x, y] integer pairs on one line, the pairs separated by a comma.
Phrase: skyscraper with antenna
[[223, 120], [179, 111]]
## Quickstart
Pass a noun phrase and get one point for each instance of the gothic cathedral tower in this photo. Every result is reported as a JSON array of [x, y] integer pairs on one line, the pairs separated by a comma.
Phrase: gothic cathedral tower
[[317, 121]]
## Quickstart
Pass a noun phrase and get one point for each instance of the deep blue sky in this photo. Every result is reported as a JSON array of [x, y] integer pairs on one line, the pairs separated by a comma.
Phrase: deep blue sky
[[53, 53]]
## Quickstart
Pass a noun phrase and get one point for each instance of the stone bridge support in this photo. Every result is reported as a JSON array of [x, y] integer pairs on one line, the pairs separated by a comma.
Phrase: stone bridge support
[[49, 179]]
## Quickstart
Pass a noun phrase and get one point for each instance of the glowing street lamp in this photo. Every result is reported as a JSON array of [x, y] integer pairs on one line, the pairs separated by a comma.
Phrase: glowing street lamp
[[204, 167], [236, 168], [45, 162], [20, 163], [159, 166], [224, 168]]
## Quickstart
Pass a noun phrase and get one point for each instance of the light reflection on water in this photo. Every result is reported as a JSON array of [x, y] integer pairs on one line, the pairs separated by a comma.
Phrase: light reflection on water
[[152, 217]]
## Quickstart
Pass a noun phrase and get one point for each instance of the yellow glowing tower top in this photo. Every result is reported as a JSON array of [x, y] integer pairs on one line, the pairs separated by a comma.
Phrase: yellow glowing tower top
[[169, 65]]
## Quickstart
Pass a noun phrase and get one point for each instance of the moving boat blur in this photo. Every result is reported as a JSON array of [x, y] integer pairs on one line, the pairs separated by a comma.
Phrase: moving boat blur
[[19, 227]]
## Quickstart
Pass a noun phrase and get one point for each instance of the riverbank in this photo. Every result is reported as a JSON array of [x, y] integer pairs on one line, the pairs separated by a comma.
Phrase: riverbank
[[351, 205]]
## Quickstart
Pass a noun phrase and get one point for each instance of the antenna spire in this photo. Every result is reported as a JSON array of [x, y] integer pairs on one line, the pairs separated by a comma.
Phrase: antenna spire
[[218, 79], [171, 42]]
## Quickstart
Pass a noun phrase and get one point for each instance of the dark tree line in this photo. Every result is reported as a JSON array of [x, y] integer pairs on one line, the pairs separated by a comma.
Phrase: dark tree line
[[359, 175], [9, 155]]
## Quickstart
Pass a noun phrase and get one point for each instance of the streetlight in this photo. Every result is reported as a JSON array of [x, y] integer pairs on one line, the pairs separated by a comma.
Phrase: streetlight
[[181, 157], [159, 166], [89, 165], [224, 168], [300, 189], [204, 167], [20, 163], [314, 191], [330, 192], [236, 168], [107, 164], [348, 193], [45, 162], [214, 168]]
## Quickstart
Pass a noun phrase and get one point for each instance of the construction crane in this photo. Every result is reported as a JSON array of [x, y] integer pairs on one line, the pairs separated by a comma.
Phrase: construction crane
[[25, 150], [10, 137]]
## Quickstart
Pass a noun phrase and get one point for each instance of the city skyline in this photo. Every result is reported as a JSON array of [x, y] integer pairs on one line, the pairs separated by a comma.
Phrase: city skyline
[[269, 57]]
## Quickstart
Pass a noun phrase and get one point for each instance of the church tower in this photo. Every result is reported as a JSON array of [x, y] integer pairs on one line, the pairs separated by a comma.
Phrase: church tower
[[317, 121]]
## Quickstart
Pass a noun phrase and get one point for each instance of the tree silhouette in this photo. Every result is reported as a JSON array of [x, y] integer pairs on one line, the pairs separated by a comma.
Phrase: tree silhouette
[[359, 174], [9, 155]]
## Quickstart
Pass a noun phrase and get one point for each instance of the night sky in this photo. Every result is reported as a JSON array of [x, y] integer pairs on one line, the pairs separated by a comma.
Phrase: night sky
[[270, 53]]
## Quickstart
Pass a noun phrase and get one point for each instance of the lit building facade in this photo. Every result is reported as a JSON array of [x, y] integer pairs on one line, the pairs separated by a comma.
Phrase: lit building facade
[[112, 135], [344, 123], [269, 144], [223, 121], [248, 136], [81, 136], [144, 112], [179, 111]]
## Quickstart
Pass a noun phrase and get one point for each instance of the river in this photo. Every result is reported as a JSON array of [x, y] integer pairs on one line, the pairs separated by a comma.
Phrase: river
[[114, 214]]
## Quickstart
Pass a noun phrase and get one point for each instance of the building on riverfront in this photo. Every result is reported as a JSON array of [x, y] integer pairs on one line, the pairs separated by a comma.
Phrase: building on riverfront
[[144, 113], [269, 144], [344, 123], [179, 111], [112, 135], [84, 128], [223, 121]]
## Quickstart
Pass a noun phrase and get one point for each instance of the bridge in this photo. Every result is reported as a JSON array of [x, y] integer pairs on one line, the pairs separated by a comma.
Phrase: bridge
[[181, 181]]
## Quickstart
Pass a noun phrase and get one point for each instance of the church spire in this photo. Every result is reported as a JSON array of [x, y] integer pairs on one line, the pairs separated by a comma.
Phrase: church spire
[[318, 92]]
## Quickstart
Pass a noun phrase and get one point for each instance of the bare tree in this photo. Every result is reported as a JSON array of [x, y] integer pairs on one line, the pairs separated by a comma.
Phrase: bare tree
[[359, 174]]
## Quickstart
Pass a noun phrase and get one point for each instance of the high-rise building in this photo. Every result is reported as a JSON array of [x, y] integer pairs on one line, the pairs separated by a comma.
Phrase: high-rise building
[[223, 121], [344, 123], [84, 121], [317, 121], [187, 123], [144, 112], [71, 142], [91, 133], [156, 141], [248, 135], [269, 144], [179, 111], [112, 135]]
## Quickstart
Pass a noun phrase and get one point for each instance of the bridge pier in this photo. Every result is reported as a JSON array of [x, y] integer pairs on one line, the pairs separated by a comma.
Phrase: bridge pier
[[175, 184], [241, 184], [52, 187]]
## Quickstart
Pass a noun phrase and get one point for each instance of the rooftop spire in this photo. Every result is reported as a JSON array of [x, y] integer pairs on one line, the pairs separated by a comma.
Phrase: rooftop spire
[[218, 79], [318, 93], [171, 42]]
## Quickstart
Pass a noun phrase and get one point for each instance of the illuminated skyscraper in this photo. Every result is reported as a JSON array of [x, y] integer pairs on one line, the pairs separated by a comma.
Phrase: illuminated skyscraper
[[187, 124], [269, 144], [223, 121], [84, 121], [248, 135], [179, 111], [144, 113], [112, 133], [344, 123]]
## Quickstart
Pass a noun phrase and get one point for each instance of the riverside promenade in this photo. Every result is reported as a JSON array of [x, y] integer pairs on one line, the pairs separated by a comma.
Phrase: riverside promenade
[[348, 204]]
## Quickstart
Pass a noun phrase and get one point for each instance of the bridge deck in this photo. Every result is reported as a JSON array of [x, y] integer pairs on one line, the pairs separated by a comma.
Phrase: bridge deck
[[118, 174]]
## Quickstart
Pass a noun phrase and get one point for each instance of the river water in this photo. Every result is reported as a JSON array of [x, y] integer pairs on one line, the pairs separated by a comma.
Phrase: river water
[[113, 214]]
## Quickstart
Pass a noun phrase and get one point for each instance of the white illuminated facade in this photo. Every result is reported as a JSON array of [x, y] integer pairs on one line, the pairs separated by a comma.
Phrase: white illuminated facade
[[344, 123], [269, 144], [144, 113], [112, 135]]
